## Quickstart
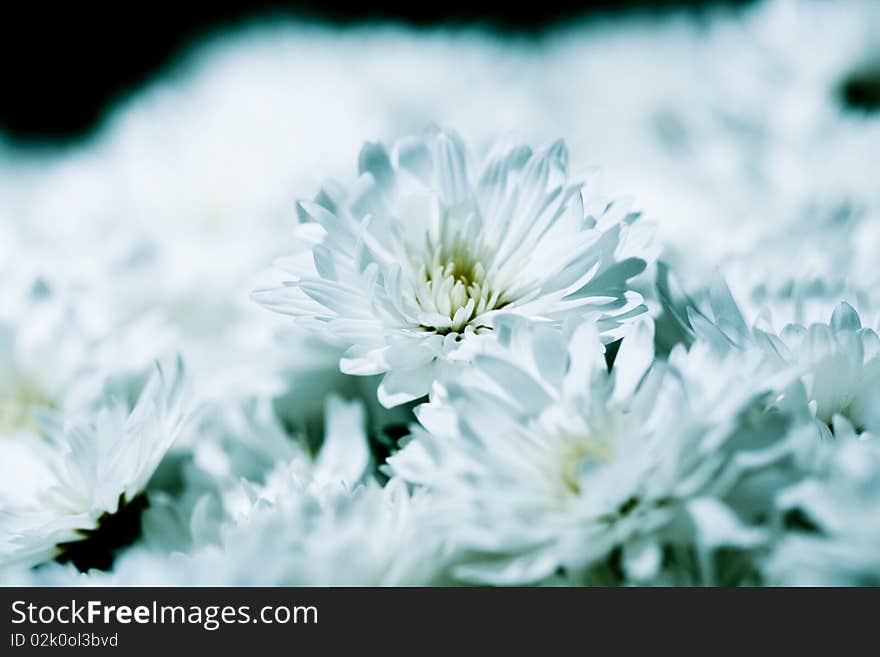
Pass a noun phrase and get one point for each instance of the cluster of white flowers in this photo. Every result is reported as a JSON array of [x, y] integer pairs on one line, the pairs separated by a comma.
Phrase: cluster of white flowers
[[482, 364]]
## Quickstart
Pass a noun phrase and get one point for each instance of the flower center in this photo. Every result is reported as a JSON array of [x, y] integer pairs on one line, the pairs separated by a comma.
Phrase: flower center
[[453, 285], [577, 455], [17, 407]]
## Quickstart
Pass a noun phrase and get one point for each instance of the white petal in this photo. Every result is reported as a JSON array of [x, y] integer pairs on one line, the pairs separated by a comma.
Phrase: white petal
[[344, 455], [633, 359]]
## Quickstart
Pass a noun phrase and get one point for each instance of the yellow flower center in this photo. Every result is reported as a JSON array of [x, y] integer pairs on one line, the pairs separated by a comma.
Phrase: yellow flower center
[[454, 286], [576, 454], [17, 407]]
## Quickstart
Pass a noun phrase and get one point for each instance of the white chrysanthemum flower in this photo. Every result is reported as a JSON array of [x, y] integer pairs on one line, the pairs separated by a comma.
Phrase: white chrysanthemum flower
[[840, 369], [55, 490], [541, 460], [370, 536], [50, 362], [410, 267], [838, 363], [836, 543], [249, 437], [249, 460], [342, 462], [302, 526], [314, 512], [30, 378]]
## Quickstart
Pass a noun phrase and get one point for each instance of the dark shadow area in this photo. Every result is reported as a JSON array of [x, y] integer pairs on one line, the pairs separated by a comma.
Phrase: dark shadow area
[[98, 547], [861, 90]]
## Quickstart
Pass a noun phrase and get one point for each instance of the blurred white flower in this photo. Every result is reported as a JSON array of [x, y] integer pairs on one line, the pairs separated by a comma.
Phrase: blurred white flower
[[50, 361], [341, 463], [319, 520], [838, 545], [41, 354], [838, 363], [370, 536], [57, 489], [410, 267], [302, 525]]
